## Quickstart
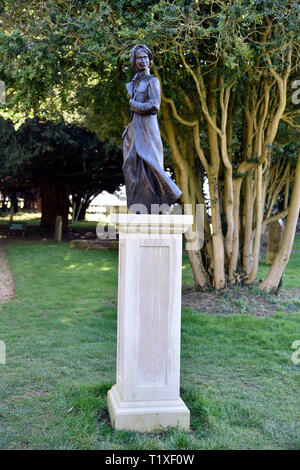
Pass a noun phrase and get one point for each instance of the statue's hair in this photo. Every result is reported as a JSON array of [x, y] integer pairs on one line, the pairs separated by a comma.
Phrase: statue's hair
[[133, 55]]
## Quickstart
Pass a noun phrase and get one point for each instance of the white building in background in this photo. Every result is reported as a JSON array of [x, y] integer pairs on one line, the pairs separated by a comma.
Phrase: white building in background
[[105, 200]]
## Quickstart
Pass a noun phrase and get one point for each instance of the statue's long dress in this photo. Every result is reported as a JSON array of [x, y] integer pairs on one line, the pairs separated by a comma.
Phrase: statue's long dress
[[145, 179]]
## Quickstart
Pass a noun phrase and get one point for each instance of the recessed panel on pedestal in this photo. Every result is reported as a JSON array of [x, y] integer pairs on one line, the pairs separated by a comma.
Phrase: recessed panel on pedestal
[[153, 312], [120, 350]]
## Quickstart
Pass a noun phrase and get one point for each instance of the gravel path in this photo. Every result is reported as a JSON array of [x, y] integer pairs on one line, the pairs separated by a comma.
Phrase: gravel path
[[6, 279]]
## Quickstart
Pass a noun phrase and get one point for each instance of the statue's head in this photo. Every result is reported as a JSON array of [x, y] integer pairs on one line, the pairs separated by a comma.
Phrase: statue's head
[[138, 56]]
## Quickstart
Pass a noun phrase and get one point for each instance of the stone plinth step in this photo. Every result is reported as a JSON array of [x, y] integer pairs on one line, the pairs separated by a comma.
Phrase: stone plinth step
[[101, 245]]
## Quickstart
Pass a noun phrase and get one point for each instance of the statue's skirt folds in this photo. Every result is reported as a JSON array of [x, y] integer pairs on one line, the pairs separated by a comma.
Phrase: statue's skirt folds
[[145, 179]]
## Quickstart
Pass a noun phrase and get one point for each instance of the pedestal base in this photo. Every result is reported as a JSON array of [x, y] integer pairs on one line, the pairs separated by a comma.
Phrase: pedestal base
[[146, 416]]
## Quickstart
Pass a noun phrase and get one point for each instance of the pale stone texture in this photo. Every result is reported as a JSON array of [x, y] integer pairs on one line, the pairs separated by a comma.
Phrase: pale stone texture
[[58, 228], [6, 278], [146, 395], [275, 234]]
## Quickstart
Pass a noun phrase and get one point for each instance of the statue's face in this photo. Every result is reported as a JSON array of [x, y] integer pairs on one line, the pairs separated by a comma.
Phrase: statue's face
[[142, 61]]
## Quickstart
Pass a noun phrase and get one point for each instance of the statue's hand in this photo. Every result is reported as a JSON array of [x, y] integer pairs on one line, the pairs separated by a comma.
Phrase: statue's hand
[[142, 108]]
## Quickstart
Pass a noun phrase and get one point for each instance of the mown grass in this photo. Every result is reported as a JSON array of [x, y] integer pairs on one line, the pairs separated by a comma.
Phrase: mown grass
[[237, 376]]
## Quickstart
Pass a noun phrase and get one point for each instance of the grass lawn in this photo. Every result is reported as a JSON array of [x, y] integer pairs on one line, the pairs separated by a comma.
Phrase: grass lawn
[[237, 376]]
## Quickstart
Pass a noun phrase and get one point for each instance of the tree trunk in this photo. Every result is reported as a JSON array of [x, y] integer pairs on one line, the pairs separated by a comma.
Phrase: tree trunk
[[55, 201], [182, 172], [14, 201], [83, 210], [275, 274], [81, 202], [236, 233], [227, 169], [213, 182], [27, 204], [258, 224], [217, 237]]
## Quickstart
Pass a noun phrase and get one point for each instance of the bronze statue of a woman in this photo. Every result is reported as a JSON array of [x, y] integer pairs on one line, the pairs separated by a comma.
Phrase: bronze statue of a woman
[[145, 179]]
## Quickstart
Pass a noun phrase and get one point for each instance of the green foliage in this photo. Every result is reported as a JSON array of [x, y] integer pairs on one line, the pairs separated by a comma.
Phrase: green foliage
[[9, 148], [43, 150], [72, 59]]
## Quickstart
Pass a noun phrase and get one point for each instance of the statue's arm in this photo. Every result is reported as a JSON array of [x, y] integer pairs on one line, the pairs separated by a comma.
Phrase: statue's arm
[[152, 105]]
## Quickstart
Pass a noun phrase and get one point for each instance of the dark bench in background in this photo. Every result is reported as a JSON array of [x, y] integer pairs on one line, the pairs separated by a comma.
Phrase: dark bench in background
[[17, 228]]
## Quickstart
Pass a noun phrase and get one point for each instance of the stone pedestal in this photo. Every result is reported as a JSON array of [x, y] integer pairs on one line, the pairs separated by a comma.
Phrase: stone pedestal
[[146, 395]]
